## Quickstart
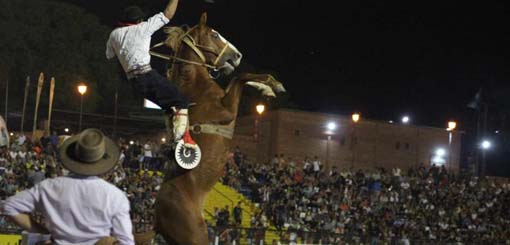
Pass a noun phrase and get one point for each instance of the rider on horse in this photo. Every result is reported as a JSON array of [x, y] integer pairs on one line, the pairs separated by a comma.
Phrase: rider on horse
[[131, 43]]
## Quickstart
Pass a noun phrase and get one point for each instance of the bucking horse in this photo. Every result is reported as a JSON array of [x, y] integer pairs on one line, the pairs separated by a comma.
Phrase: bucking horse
[[200, 52]]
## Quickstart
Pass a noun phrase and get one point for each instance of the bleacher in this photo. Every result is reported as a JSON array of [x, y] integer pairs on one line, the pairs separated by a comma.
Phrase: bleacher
[[223, 195]]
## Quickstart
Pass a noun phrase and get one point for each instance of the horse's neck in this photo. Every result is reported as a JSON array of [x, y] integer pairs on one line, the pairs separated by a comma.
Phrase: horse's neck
[[193, 80]]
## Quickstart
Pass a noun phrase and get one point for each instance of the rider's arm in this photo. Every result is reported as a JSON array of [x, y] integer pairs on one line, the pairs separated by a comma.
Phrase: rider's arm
[[157, 21], [110, 54], [170, 8]]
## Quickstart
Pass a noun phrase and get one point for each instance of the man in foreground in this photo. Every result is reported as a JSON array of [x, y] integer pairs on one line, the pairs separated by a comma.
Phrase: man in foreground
[[80, 208]]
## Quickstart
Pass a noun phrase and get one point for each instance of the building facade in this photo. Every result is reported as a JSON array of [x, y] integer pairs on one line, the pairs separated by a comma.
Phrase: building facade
[[345, 144]]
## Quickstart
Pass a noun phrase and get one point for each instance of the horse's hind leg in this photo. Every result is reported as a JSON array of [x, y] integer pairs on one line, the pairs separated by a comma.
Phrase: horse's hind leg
[[185, 225], [184, 229]]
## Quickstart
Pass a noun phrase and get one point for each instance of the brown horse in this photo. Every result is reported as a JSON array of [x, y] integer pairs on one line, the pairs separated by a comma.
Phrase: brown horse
[[198, 52]]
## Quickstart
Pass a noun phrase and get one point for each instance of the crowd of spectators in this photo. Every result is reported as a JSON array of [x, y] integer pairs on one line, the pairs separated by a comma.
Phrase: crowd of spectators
[[139, 173], [299, 197], [426, 204]]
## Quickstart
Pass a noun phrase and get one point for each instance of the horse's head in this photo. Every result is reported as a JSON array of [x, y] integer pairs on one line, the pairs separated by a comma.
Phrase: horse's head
[[210, 49]]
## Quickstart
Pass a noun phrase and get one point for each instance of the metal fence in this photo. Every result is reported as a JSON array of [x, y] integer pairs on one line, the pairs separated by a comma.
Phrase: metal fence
[[235, 235]]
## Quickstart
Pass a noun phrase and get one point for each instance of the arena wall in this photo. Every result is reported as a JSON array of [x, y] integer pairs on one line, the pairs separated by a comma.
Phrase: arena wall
[[364, 145]]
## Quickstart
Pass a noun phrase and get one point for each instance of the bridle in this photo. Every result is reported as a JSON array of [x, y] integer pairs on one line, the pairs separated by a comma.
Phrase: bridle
[[197, 48], [226, 131]]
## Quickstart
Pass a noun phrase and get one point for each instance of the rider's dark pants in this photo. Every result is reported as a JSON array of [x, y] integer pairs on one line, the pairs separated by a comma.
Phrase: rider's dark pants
[[159, 90]]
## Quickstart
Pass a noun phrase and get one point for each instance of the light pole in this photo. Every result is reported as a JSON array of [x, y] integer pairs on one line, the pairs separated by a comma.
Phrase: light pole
[[260, 108], [82, 89], [355, 119], [451, 126], [485, 145], [331, 126]]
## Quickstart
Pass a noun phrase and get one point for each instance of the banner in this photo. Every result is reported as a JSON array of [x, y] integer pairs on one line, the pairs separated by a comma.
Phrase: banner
[[27, 88], [50, 108], [37, 98], [6, 101]]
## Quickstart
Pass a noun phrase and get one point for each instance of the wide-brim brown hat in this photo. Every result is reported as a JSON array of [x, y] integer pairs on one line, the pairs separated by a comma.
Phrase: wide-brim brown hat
[[89, 153]]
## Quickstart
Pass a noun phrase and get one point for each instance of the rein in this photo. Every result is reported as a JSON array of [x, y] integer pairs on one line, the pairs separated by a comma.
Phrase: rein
[[197, 48]]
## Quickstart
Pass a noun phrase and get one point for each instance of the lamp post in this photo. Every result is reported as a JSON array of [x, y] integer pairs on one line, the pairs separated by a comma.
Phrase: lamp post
[[451, 126], [355, 119], [485, 145], [82, 89], [331, 126], [260, 108]]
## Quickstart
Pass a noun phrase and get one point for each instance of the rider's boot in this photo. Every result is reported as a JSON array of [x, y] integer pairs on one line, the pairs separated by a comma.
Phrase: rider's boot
[[181, 127]]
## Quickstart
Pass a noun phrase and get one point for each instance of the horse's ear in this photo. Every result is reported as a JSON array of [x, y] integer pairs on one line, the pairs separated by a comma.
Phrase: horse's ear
[[203, 19], [185, 27]]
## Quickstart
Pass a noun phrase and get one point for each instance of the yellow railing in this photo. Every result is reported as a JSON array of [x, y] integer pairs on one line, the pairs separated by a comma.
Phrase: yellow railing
[[10, 239]]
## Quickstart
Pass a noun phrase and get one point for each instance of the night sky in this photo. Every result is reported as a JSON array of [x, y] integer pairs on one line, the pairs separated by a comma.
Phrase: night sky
[[382, 59]]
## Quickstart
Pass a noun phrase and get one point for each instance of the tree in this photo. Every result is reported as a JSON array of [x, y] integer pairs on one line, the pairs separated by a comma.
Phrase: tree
[[63, 41]]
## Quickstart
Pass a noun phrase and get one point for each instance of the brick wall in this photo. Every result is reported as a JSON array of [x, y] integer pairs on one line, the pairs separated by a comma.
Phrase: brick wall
[[366, 144]]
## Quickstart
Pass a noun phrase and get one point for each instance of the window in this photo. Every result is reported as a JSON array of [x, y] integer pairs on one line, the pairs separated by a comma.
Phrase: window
[[297, 132], [342, 141], [397, 145], [407, 146]]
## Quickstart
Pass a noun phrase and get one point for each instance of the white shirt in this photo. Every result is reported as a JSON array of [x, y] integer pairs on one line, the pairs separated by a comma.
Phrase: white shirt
[[77, 210], [13, 154], [131, 44], [316, 165], [22, 154], [4, 137], [122, 156], [147, 150], [21, 139]]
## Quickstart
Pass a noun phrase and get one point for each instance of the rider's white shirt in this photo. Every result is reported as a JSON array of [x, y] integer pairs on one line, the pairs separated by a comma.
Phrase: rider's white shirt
[[131, 44]]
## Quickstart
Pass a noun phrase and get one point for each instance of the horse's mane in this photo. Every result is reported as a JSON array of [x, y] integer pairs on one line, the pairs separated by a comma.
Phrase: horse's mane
[[173, 41]]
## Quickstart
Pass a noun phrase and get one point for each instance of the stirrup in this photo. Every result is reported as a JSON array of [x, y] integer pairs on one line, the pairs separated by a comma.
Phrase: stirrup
[[187, 157]]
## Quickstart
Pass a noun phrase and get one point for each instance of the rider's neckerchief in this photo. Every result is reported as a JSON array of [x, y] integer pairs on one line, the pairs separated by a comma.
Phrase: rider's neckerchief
[[124, 24]]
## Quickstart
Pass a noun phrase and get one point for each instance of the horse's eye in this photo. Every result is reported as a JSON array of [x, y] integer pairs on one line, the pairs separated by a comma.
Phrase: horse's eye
[[215, 35]]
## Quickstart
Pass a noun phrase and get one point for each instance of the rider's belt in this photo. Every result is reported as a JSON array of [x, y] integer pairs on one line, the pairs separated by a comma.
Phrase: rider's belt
[[138, 71]]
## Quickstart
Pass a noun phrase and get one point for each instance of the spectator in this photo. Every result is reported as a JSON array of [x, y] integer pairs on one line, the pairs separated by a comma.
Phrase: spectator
[[147, 155], [238, 214], [83, 193], [427, 205], [316, 165]]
